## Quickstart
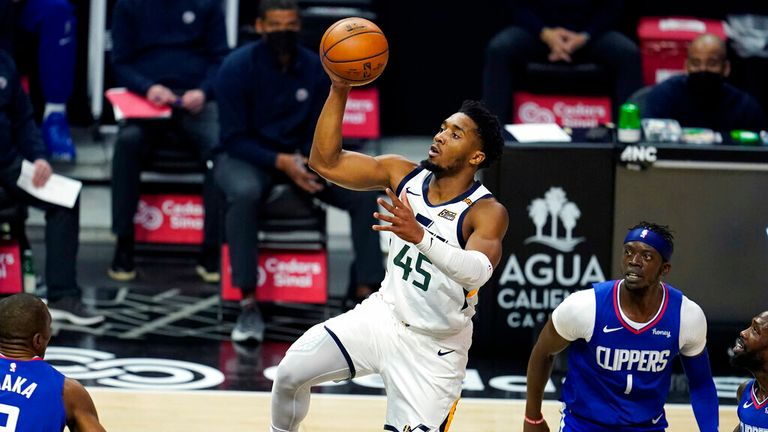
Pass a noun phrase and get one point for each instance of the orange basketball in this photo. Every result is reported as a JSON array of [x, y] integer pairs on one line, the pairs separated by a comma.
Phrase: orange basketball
[[355, 50]]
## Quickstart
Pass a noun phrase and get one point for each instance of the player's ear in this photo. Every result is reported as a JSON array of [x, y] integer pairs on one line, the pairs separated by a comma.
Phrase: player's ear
[[477, 158], [665, 268], [259, 26], [38, 342]]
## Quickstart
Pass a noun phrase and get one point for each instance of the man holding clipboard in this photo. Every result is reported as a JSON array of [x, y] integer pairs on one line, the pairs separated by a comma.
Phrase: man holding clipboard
[[20, 140]]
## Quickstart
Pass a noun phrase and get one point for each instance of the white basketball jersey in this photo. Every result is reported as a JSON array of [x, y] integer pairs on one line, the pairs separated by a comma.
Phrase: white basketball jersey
[[423, 297]]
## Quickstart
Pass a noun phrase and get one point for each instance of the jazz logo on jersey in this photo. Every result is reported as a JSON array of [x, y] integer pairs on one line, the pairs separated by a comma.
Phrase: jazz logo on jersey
[[447, 214]]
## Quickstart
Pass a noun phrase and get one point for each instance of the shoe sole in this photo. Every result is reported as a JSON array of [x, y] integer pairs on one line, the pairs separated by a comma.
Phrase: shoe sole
[[207, 276], [62, 315], [121, 276], [238, 336]]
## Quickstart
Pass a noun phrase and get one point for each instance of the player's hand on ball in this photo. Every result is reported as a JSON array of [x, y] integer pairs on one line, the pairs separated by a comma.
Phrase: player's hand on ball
[[402, 222], [336, 80]]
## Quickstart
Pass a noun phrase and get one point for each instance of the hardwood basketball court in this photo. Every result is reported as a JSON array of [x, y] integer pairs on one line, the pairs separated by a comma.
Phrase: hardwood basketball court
[[122, 410]]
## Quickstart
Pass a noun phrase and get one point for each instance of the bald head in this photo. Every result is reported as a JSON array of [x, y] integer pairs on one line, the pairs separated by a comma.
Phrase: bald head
[[21, 317], [707, 53]]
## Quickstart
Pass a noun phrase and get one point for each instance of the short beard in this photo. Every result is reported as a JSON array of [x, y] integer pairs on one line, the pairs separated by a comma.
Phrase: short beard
[[745, 359], [432, 167]]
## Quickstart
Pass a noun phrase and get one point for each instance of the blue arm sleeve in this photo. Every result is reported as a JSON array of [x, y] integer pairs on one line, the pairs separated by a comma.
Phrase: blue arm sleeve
[[703, 392]]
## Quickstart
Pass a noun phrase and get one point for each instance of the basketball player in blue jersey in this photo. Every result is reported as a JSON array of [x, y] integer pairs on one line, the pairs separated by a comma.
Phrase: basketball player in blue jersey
[[446, 238], [35, 397], [751, 353], [623, 336]]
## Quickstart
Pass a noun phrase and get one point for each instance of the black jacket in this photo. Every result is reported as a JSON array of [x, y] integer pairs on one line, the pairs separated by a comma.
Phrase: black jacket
[[19, 135], [177, 43]]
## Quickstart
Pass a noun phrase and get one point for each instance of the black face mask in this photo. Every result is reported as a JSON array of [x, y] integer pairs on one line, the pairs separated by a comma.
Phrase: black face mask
[[284, 42], [705, 86]]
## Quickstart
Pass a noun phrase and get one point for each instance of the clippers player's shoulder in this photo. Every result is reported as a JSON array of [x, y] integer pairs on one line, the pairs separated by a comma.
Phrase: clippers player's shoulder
[[691, 313]]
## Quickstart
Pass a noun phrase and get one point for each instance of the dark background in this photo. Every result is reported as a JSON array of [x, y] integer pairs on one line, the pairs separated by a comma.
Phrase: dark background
[[436, 50]]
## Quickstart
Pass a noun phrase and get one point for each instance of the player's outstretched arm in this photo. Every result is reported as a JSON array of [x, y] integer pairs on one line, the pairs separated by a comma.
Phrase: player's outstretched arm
[[548, 346], [81, 412], [702, 390], [349, 169], [739, 392]]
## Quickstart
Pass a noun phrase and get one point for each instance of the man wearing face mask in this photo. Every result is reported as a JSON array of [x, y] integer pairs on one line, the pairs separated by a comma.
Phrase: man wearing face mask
[[701, 97], [270, 94]]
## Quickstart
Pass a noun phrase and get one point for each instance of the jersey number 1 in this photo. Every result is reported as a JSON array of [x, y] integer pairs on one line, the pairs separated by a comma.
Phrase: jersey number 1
[[406, 266]]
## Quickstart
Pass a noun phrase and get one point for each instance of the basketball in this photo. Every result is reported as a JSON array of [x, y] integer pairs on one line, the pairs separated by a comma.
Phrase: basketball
[[355, 50]]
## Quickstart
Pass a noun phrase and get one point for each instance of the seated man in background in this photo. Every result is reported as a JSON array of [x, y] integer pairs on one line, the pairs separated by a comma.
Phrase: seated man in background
[[54, 23], [701, 98], [559, 31], [270, 95], [19, 140], [169, 54]]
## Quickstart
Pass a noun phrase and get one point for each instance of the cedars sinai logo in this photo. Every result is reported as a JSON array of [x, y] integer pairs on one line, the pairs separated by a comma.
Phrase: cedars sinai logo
[[554, 209]]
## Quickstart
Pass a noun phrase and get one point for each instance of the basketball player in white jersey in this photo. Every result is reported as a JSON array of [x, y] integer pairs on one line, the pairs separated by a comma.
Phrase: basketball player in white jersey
[[447, 232]]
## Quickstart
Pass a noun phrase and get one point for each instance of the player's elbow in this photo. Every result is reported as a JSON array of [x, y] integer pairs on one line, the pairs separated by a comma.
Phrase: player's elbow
[[319, 162]]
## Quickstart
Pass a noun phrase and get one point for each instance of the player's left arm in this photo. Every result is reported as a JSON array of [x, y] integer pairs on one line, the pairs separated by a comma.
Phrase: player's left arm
[[485, 226], [81, 412], [487, 221], [470, 267], [693, 350], [739, 392]]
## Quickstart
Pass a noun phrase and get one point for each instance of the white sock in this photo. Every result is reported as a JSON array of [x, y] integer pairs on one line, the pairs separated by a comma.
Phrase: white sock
[[54, 108]]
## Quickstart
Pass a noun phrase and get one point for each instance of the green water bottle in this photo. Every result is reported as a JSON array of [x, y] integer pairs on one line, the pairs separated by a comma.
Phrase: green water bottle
[[745, 137], [28, 272], [629, 123]]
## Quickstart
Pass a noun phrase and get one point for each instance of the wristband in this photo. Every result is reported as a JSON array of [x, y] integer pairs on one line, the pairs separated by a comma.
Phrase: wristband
[[534, 422]]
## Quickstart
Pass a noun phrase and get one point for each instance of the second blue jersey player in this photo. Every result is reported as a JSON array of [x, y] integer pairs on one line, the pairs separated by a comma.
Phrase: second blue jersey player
[[751, 353], [624, 336]]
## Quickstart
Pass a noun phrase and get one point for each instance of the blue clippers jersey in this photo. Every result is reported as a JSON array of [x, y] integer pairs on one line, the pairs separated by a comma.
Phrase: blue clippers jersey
[[31, 396], [753, 417], [621, 377]]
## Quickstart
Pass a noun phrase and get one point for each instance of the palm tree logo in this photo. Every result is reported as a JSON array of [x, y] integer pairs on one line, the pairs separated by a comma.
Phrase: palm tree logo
[[554, 207]]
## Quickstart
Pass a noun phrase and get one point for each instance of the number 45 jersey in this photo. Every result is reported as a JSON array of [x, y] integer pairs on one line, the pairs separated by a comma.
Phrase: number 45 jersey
[[423, 297]]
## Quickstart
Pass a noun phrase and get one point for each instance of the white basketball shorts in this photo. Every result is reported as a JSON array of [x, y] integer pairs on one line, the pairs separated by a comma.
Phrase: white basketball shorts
[[422, 374]]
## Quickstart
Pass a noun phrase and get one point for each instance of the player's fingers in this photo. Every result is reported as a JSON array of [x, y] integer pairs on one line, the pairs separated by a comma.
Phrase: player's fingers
[[404, 199], [395, 200], [388, 228], [387, 206], [384, 217]]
